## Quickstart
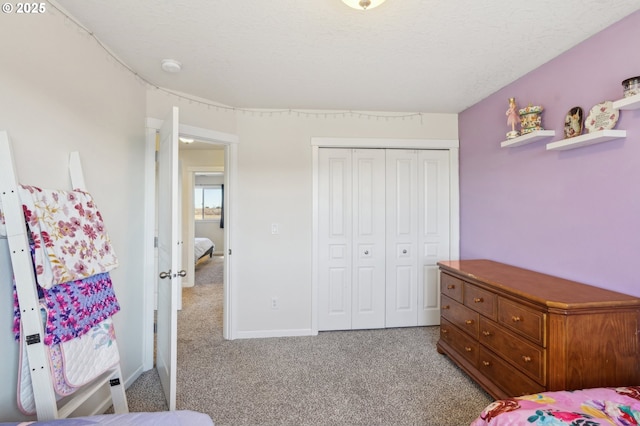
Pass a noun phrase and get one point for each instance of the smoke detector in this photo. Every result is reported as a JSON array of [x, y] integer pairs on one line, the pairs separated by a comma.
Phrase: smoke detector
[[170, 65]]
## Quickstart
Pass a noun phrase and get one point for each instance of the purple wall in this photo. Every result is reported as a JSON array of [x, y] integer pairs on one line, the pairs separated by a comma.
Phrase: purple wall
[[574, 214]]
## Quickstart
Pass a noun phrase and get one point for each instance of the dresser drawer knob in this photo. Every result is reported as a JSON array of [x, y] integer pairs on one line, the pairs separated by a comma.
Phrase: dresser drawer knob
[[445, 331], [526, 358], [486, 333], [478, 300], [467, 348], [446, 307], [451, 286], [516, 318], [486, 363], [468, 322]]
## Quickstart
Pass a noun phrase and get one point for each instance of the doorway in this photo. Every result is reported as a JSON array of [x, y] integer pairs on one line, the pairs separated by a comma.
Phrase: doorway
[[204, 221], [227, 142]]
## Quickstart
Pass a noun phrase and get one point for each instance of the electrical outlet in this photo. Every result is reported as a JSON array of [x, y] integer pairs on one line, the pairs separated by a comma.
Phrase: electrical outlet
[[274, 303]]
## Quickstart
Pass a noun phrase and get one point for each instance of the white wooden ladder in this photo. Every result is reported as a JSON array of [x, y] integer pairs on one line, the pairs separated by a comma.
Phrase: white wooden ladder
[[47, 407]]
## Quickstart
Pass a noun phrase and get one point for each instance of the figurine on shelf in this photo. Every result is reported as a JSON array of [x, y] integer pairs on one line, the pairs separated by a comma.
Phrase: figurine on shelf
[[573, 123], [512, 118], [530, 119]]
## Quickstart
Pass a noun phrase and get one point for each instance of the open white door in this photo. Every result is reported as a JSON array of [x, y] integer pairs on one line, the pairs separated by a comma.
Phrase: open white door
[[169, 256]]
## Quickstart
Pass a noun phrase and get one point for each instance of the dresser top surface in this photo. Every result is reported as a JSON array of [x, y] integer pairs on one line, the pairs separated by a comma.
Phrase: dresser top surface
[[545, 289]]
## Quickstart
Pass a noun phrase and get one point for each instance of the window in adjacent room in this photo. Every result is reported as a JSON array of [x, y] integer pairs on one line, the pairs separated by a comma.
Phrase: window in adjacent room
[[208, 202]]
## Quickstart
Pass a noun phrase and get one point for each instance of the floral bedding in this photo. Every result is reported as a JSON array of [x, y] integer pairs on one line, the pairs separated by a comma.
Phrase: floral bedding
[[586, 407]]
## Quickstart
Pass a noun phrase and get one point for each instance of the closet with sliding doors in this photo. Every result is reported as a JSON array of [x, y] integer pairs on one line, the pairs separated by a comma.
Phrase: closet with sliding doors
[[383, 224]]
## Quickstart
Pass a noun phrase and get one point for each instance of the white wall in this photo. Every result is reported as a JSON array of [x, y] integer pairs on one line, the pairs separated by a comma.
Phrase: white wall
[[60, 92], [275, 186]]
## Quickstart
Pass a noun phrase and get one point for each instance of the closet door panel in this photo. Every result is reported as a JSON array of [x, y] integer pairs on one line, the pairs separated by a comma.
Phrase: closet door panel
[[428, 296], [433, 232], [401, 238], [335, 245], [404, 289], [337, 284], [368, 238], [365, 293]]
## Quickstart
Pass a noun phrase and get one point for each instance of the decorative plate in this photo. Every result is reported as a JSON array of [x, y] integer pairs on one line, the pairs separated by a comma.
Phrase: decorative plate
[[573, 123], [602, 116]]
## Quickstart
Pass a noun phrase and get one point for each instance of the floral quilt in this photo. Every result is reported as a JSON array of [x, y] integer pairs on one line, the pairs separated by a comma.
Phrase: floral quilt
[[70, 239], [587, 407]]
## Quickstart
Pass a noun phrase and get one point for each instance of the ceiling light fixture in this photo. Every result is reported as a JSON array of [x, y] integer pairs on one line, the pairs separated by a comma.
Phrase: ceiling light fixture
[[363, 4], [170, 65]]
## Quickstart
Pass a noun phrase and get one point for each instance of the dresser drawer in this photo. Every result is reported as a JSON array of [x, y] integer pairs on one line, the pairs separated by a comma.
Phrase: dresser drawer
[[451, 286], [466, 346], [511, 381], [481, 300], [522, 320], [460, 316], [528, 358]]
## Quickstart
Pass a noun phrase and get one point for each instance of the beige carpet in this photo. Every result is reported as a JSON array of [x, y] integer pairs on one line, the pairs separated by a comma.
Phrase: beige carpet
[[366, 377], [209, 271]]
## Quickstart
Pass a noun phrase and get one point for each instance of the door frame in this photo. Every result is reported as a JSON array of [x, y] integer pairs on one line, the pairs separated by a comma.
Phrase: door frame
[[452, 145], [231, 142]]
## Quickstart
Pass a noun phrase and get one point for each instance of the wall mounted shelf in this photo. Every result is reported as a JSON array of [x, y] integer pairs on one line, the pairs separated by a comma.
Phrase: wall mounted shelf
[[528, 138], [632, 102], [587, 139]]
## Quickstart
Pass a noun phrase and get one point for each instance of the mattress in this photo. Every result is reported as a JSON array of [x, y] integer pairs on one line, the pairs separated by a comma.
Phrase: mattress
[[165, 418], [201, 245], [586, 407]]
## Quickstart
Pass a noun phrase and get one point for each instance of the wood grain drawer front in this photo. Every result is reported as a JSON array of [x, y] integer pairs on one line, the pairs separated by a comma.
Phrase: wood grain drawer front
[[460, 316], [459, 341], [451, 286], [528, 358], [504, 376], [481, 300], [522, 320]]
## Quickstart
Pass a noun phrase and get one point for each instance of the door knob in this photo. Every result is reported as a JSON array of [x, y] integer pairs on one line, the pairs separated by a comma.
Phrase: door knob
[[164, 275], [182, 273]]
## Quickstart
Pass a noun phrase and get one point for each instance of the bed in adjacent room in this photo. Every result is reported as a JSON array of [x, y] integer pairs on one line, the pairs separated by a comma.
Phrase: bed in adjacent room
[[587, 407], [203, 247]]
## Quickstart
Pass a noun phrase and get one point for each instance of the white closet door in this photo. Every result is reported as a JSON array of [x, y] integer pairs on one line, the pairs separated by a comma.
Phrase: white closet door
[[334, 228], [383, 226], [368, 282], [433, 230], [401, 238]]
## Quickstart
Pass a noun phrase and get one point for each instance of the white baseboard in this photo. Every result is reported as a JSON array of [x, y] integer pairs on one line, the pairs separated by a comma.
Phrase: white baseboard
[[259, 334]]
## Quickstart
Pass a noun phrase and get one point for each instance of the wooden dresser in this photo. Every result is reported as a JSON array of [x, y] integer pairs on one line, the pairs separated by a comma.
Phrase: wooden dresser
[[517, 332]]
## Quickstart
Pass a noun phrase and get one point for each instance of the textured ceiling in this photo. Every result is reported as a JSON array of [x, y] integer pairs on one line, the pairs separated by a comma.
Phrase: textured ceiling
[[405, 55]]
